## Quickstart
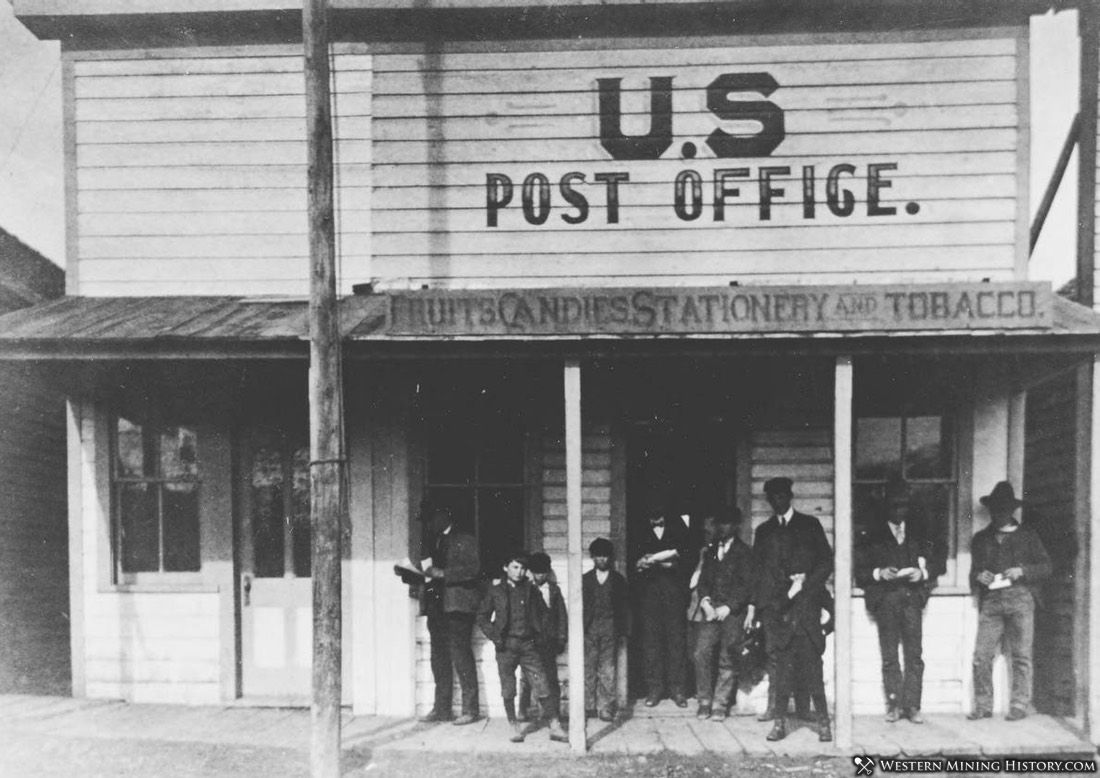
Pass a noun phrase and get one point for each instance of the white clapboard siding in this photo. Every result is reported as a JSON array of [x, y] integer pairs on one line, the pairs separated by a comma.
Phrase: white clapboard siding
[[595, 522], [1096, 247], [945, 112], [803, 454], [191, 172]]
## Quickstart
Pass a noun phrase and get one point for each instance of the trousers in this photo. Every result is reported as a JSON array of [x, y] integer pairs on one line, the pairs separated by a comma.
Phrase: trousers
[[452, 654], [1009, 613]]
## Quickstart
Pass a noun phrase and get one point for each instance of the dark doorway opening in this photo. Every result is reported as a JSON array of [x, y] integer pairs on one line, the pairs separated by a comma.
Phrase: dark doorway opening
[[689, 467]]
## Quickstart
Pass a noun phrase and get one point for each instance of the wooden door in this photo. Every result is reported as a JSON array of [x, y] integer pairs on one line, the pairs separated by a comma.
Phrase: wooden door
[[276, 589]]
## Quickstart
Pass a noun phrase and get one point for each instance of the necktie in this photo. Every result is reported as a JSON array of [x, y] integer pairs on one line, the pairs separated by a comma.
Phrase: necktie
[[899, 533]]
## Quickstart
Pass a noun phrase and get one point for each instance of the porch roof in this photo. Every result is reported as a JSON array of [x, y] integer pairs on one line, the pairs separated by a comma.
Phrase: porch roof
[[243, 327]]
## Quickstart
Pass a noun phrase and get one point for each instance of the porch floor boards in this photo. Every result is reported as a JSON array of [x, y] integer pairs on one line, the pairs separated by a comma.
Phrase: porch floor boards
[[646, 733]]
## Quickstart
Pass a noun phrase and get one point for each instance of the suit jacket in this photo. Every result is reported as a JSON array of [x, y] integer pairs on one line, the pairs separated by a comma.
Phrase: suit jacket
[[455, 553], [555, 627], [1021, 548], [494, 615], [675, 537], [881, 549], [619, 607], [728, 581], [780, 552]]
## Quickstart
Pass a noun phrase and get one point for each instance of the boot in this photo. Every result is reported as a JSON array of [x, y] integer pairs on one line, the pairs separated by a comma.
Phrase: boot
[[779, 729], [557, 734], [769, 714], [519, 731], [824, 729]]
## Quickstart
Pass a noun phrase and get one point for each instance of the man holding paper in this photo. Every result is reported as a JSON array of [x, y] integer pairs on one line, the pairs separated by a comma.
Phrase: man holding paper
[[897, 568], [1007, 563]]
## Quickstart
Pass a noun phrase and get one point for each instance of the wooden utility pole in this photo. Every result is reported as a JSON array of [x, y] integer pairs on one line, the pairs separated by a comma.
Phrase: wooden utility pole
[[326, 405]]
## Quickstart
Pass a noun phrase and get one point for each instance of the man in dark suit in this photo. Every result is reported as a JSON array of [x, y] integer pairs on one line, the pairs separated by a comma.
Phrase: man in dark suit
[[725, 590], [663, 604], [450, 602], [897, 568], [793, 563]]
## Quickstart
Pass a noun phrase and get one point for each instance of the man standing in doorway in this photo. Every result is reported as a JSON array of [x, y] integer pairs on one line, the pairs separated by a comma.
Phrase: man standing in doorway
[[451, 599], [1007, 563], [897, 568], [663, 602], [793, 563]]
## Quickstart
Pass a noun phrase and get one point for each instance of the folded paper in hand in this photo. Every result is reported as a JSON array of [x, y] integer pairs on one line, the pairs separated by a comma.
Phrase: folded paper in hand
[[409, 574], [999, 582], [907, 571]]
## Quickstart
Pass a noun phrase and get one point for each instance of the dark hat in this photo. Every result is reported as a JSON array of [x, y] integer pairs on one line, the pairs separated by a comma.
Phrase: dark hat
[[429, 510], [778, 485], [730, 515], [1002, 494], [601, 547], [538, 562]]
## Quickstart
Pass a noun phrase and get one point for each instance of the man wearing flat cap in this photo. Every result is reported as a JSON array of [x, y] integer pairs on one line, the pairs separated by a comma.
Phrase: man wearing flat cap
[[1007, 562], [793, 563], [450, 602], [897, 568]]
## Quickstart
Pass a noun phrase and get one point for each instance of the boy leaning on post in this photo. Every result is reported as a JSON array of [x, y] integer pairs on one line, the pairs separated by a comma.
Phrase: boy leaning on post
[[603, 592], [512, 616]]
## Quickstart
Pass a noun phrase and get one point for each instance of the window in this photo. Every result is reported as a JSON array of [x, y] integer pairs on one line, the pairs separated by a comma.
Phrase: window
[[155, 482], [279, 505], [476, 467], [921, 450]]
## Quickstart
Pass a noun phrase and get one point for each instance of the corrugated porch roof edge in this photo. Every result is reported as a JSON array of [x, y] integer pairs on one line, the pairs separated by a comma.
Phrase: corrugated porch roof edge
[[81, 328]]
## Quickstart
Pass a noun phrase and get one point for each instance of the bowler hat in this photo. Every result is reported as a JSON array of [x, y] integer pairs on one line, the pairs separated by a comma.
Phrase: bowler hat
[[538, 562], [601, 547], [778, 485], [1002, 495]]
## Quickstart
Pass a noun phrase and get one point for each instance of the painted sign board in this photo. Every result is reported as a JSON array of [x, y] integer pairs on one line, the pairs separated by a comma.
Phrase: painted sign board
[[764, 160], [719, 311]]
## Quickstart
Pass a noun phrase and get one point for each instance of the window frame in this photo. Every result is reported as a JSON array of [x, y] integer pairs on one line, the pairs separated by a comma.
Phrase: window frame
[[152, 424], [953, 581]]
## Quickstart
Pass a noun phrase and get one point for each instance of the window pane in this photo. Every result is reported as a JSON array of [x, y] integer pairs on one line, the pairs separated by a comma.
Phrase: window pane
[[501, 452], [138, 527], [878, 448], [299, 513], [129, 458], [501, 515], [267, 511], [927, 447], [181, 526], [932, 508], [178, 456], [450, 454]]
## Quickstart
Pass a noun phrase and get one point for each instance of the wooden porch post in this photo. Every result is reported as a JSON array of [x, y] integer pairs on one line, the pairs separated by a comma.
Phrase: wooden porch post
[[578, 740], [1093, 545], [842, 525], [326, 403]]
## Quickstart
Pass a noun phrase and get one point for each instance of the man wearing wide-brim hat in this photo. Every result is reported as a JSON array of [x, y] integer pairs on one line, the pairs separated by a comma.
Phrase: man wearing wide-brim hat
[[1007, 563]]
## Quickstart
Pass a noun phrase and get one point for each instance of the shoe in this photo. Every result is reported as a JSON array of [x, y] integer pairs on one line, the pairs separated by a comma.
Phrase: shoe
[[1016, 714], [519, 731], [464, 719], [892, 715], [767, 715], [651, 702], [606, 715], [824, 731], [703, 712], [435, 716], [680, 700], [915, 717], [779, 730], [557, 734], [719, 714], [974, 715]]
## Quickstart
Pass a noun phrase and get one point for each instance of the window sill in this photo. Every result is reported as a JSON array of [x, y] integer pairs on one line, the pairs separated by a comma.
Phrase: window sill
[[939, 591], [161, 588]]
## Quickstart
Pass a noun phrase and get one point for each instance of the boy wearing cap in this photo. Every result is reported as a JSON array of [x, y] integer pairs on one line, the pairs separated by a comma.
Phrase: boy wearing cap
[[725, 591], [793, 562], [897, 568], [603, 594], [1007, 563], [550, 643], [512, 616]]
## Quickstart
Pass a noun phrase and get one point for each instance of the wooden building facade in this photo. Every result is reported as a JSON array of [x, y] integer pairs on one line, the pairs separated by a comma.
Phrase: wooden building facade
[[766, 244]]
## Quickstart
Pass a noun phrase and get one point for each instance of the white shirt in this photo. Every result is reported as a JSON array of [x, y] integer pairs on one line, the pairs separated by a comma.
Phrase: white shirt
[[659, 532], [785, 518], [898, 531], [601, 577], [724, 548], [545, 589]]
